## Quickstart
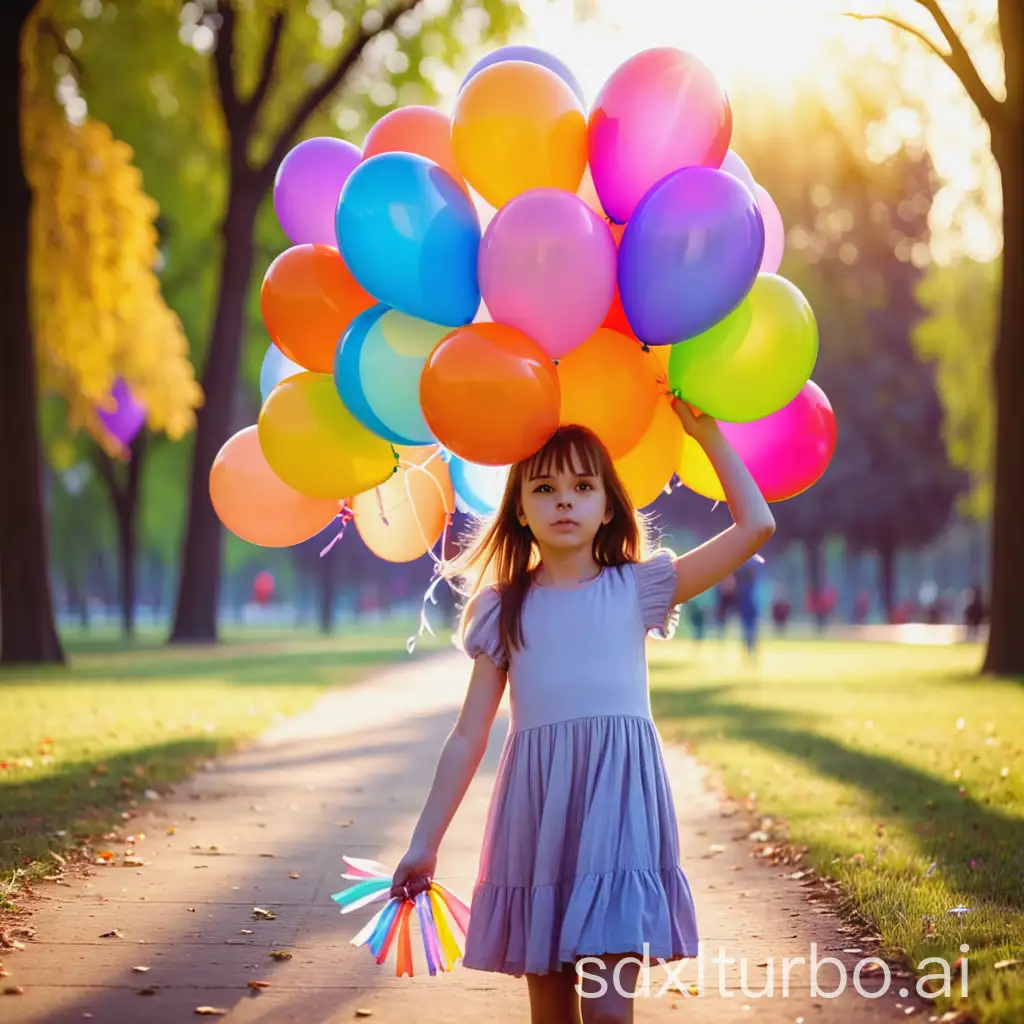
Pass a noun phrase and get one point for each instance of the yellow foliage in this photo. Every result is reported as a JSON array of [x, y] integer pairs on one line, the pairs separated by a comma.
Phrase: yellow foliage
[[98, 312]]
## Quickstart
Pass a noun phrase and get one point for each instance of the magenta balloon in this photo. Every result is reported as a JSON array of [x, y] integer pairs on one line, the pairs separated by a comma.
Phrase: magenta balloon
[[547, 266], [789, 450], [774, 231], [307, 187], [661, 110], [125, 420]]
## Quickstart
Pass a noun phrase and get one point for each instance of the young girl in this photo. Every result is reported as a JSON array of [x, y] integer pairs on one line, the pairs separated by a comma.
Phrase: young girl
[[581, 851]]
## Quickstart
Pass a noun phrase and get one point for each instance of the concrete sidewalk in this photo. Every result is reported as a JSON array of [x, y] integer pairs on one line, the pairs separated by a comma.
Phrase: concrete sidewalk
[[266, 829]]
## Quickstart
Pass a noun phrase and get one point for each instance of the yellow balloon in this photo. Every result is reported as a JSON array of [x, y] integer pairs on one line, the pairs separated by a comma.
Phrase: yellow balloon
[[649, 466], [696, 472], [404, 518], [315, 445], [518, 126]]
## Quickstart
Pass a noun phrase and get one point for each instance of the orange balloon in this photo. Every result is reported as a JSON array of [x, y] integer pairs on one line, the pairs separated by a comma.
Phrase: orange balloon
[[413, 129], [490, 394], [405, 517], [649, 466], [518, 126], [609, 384], [307, 300], [255, 504]]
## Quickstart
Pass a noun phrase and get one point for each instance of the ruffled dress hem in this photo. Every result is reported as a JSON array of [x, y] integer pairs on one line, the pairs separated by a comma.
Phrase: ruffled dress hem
[[537, 929]]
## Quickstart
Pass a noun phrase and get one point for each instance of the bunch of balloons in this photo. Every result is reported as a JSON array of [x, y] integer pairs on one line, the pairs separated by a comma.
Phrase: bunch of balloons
[[463, 285]]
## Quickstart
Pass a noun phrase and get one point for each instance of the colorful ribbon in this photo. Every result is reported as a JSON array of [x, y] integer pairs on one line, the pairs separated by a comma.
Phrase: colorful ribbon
[[390, 928]]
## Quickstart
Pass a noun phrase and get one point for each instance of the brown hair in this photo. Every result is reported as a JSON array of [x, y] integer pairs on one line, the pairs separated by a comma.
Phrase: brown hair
[[504, 551]]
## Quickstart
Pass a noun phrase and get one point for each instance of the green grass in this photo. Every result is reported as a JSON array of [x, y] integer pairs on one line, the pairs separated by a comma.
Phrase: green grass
[[79, 745], [883, 760]]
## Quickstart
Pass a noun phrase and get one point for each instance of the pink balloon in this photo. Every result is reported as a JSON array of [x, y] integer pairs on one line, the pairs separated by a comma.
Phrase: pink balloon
[[789, 450], [547, 266], [774, 231], [660, 111]]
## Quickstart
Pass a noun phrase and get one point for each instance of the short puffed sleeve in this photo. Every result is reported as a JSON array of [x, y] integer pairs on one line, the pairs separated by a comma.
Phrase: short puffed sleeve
[[481, 633], [656, 583]]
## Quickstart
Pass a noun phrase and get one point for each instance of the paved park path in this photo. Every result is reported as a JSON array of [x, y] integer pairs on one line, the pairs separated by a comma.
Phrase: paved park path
[[266, 828]]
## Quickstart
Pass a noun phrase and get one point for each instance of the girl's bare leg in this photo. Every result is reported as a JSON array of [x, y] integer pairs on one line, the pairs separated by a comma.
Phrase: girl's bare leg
[[611, 1002], [553, 997]]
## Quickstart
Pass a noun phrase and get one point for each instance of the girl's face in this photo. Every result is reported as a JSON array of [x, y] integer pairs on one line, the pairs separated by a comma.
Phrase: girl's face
[[564, 506]]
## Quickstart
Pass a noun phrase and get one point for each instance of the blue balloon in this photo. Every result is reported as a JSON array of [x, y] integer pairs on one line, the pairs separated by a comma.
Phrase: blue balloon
[[377, 370], [532, 55], [689, 255], [276, 366], [410, 236], [479, 488]]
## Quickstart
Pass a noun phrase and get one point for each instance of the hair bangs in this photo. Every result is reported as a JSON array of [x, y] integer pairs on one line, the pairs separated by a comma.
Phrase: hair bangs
[[571, 450]]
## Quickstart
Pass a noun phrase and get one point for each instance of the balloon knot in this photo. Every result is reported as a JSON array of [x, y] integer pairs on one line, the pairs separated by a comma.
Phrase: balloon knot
[[645, 347]]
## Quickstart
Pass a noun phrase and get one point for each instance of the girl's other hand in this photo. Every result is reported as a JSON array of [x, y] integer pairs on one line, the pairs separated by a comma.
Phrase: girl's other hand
[[414, 872], [698, 425]]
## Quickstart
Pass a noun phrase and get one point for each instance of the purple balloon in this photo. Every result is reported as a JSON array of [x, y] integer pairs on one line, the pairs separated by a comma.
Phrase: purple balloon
[[125, 420], [532, 55], [689, 255], [307, 187]]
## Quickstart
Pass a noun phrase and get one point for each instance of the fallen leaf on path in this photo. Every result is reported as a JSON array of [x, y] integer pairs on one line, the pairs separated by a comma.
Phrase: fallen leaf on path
[[716, 848], [364, 1013], [258, 984], [1003, 964], [268, 854], [280, 954], [259, 914], [14, 990], [140, 970], [114, 933], [293, 874], [146, 992], [134, 862], [211, 1011], [245, 931], [172, 831]]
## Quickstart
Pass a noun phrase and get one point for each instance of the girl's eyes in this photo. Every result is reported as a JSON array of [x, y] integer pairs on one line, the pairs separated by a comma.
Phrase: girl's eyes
[[546, 488]]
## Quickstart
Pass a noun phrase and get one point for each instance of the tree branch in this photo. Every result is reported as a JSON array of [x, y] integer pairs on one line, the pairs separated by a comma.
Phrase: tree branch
[[904, 27], [960, 61], [259, 94], [105, 467], [223, 62], [306, 107]]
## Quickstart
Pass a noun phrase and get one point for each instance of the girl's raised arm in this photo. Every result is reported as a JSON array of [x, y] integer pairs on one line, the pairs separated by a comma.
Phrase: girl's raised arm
[[753, 524]]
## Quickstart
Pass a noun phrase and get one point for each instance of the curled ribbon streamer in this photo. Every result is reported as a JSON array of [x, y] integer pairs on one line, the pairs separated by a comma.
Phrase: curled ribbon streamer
[[364, 934], [425, 934], [458, 909], [346, 517], [448, 942], [369, 886], [364, 867], [435, 943], [404, 964], [380, 933], [392, 931]]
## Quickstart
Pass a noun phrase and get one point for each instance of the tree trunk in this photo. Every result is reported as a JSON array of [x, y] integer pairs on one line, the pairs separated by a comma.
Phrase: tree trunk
[[887, 558], [1005, 654], [28, 633], [195, 616], [326, 573]]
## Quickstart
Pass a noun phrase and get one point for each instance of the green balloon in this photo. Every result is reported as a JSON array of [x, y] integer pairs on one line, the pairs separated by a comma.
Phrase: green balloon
[[752, 362]]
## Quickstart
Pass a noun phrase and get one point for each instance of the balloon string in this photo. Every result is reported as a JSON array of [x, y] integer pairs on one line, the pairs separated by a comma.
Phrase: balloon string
[[346, 516]]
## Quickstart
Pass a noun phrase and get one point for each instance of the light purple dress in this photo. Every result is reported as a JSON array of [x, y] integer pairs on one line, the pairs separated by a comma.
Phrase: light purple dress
[[581, 848]]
